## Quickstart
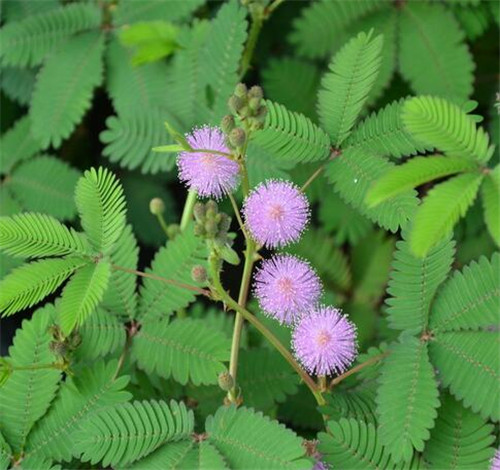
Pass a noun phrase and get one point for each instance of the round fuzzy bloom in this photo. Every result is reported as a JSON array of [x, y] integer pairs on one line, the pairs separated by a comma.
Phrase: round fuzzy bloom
[[276, 212], [211, 175], [286, 287], [495, 461], [324, 341]]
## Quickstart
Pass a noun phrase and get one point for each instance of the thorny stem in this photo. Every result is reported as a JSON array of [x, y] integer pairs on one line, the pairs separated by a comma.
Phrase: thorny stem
[[163, 279], [187, 213], [230, 302], [352, 371]]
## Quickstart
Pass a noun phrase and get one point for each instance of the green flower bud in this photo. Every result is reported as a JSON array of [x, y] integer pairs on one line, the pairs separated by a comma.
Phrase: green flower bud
[[58, 348], [224, 223], [212, 208], [256, 92], [199, 274], [235, 104], [199, 211], [254, 104], [211, 228], [226, 381], [240, 90], [156, 206], [173, 230], [227, 124], [237, 137], [199, 230]]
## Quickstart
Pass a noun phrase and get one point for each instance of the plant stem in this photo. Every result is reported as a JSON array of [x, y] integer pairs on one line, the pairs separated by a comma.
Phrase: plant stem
[[253, 36], [163, 224], [238, 321], [238, 216], [352, 371], [163, 279], [187, 213], [229, 301], [312, 177]]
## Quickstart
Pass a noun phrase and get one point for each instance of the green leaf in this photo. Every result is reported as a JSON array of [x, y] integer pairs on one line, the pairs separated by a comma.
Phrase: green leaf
[[353, 172], [130, 138], [28, 393], [433, 56], [14, 10], [18, 84], [444, 205], [249, 440], [101, 204], [64, 88], [264, 378], [415, 172], [490, 194], [101, 334], [174, 262], [129, 11], [220, 59], [296, 95], [185, 349], [5, 454], [291, 136], [407, 399], [127, 432], [32, 183], [470, 299], [443, 125], [330, 262], [150, 40], [18, 144], [121, 297], [322, 26], [30, 283], [182, 455], [345, 88], [383, 134], [94, 387], [469, 364], [460, 439], [414, 282], [36, 235], [261, 165], [350, 444], [29, 41], [82, 294]]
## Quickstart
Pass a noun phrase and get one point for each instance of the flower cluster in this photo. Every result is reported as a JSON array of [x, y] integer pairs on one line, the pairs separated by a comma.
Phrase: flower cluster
[[288, 289], [275, 214]]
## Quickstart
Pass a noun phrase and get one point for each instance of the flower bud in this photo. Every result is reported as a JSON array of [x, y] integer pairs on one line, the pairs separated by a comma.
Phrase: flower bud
[[156, 206], [254, 104], [212, 208], [59, 348], [240, 90], [256, 92], [199, 230], [237, 137], [227, 124], [173, 230], [199, 274], [235, 103], [224, 223], [211, 228], [199, 211], [226, 381]]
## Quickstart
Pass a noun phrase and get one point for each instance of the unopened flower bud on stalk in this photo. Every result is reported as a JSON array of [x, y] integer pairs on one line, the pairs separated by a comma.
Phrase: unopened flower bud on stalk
[[199, 211], [256, 92], [235, 103], [226, 381], [173, 230], [240, 90], [199, 274], [156, 206], [237, 137], [227, 124]]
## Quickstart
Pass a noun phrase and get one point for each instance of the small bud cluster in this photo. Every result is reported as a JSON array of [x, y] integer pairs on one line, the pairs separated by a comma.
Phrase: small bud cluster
[[63, 346], [246, 106], [156, 206], [210, 223]]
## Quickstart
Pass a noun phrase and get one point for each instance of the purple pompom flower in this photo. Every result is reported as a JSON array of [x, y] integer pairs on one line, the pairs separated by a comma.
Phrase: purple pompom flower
[[286, 287], [325, 341], [211, 175], [276, 213], [495, 461]]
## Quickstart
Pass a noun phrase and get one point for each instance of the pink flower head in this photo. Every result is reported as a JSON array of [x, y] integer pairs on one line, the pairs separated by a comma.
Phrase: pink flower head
[[286, 287], [211, 175], [495, 461], [325, 341], [276, 213]]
